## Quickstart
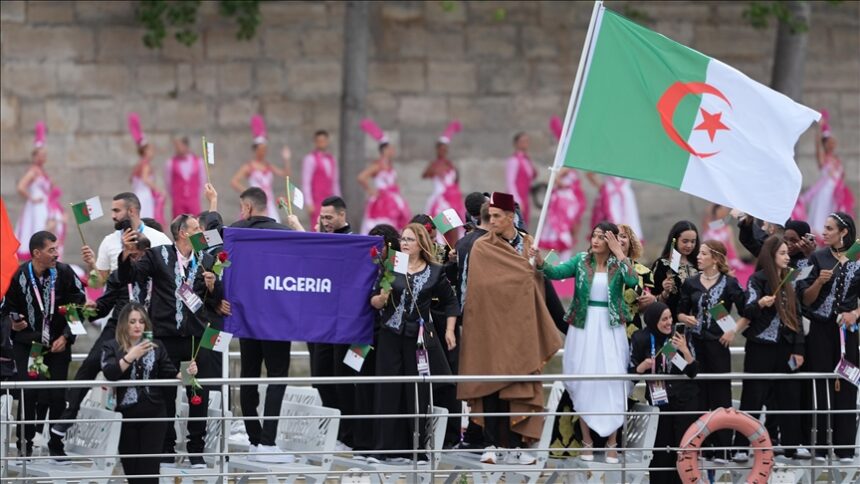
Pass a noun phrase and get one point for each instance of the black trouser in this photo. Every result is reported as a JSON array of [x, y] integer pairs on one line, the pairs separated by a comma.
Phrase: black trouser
[[452, 433], [89, 370], [497, 430], [713, 357], [276, 356], [396, 357], [179, 350], [670, 431], [37, 403], [142, 438], [782, 394], [327, 360], [823, 354], [362, 438]]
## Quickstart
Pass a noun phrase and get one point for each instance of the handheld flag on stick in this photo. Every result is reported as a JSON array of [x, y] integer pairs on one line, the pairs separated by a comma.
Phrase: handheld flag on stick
[[204, 240], [89, 209], [447, 221], [215, 340], [295, 195], [399, 262], [724, 320], [552, 259], [853, 252], [356, 355]]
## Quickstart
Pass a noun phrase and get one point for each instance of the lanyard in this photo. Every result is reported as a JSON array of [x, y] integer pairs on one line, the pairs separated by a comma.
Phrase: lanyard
[[50, 291], [654, 356], [842, 340], [192, 267]]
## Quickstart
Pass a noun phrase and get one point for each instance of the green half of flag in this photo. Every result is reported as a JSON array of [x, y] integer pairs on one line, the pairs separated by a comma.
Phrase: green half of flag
[[361, 350], [442, 224], [87, 210], [718, 312], [618, 126], [209, 338], [667, 349], [36, 349], [853, 252], [198, 242], [552, 259]]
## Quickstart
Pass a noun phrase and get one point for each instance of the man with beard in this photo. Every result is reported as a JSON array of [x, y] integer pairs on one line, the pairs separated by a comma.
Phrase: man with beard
[[115, 297], [37, 291], [125, 211]]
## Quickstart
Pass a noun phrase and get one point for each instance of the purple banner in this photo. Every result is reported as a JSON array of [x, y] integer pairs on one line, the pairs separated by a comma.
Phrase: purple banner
[[297, 286]]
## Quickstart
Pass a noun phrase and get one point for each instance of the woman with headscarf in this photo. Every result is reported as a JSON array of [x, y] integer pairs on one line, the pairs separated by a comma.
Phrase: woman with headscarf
[[801, 243], [829, 295], [680, 395]]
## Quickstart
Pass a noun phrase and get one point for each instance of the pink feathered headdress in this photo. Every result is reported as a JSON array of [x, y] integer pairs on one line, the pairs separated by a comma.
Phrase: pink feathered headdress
[[374, 131], [453, 128], [135, 129], [555, 126], [39, 135], [258, 129], [825, 124]]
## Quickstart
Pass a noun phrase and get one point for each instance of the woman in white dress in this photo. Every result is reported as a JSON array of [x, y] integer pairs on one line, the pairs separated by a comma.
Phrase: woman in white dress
[[596, 342], [142, 176], [42, 210]]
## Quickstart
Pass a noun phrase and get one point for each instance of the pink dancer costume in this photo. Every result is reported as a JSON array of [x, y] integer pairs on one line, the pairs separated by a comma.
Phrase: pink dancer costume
[[829, 193], [320, 180], [520, 173], [446, 187], [617, 204], [151, 200], [263, 178], [566, 207], [184, 178], [388, 205], [43, 210]]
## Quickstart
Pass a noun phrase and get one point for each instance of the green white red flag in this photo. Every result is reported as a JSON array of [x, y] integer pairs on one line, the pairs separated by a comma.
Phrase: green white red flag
[[215, 340], [651, 109], [447, 221], [89, 209]]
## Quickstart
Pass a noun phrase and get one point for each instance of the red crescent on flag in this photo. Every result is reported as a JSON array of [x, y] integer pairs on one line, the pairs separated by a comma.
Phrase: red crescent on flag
[[668, 103]]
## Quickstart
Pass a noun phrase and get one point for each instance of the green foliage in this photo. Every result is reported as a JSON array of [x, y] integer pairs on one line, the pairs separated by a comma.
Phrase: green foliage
[[759, 13], [180, 17]]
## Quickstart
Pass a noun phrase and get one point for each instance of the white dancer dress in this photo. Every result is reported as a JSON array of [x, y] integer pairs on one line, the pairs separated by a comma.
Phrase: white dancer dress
[[144, 194], [598, 349], [34, 217], [263, 179]]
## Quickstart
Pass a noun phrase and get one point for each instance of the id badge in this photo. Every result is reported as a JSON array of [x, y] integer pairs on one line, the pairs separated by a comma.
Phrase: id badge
[[848, 371], [659, 396], [423, 362], [191, 300]]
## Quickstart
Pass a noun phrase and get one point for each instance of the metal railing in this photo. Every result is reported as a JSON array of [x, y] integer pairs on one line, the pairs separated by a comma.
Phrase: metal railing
[[437, 468]]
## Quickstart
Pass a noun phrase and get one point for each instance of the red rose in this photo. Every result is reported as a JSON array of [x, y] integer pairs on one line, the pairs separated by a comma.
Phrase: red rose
[[196, 400], [222, 256], [374, 252], [62, 310], [33, 374], [429, 227]]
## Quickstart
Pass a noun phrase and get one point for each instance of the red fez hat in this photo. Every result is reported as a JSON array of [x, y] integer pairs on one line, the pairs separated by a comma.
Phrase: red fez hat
[[504, 201]]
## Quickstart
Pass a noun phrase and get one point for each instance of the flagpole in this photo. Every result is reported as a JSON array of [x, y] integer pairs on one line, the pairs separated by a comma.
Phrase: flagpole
[[568, 119], [206, 160], [289, 198]]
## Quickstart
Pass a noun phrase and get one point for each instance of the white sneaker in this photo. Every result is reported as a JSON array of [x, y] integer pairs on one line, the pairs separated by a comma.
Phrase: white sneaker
[[802, 454], [490, 456], [846, 460], [341, 447], [740, 457], [373, 460], [520, 458], [272, 454]]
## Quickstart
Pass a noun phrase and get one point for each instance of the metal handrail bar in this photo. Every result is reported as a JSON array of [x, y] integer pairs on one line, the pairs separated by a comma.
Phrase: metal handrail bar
[[238, 381]]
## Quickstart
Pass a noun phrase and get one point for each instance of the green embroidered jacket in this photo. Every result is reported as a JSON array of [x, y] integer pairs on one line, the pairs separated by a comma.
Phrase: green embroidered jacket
[[581, 267]]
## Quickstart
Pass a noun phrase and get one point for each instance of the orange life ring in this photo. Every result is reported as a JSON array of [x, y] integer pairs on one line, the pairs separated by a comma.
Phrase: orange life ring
[[719, 419]]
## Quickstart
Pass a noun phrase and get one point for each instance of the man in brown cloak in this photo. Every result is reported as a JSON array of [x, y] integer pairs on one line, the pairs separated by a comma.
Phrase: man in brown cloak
[[507, 330]]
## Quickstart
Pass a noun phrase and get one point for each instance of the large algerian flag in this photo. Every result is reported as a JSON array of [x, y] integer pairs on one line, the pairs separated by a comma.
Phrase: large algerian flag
[[654, 110]]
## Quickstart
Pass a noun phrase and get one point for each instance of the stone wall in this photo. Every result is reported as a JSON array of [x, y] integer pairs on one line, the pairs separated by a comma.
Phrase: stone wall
[[499, 67]]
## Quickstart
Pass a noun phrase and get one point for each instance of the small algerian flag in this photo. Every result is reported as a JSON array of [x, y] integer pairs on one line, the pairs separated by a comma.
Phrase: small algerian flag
[[210, 153], [204, 240], [552, 259], [675, 260], [215, 340], [89, 209], [356, 355], [651, 109], [724, 320], [447, 221], [667, 348], [399, 262], [296, 196], [36, 349], [853, 252]]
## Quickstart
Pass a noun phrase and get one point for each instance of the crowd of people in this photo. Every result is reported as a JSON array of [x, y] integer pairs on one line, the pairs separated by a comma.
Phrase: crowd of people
[[474, 301]]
